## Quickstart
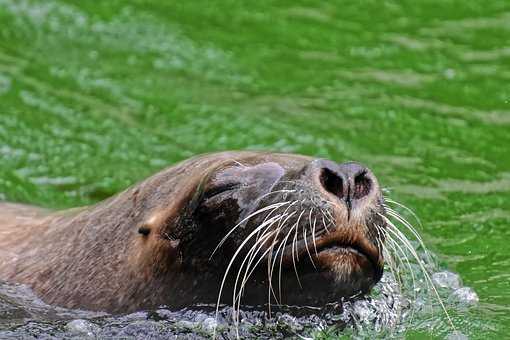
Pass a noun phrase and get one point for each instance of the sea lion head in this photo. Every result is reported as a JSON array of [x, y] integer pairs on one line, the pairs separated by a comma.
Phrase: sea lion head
[[303, 230]]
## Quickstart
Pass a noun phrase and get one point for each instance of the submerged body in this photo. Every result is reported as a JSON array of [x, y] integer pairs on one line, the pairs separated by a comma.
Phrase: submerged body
[[268, 227]]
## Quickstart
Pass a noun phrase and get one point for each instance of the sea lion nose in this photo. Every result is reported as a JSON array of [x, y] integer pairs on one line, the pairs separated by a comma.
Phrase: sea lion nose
[[357, 178], [349, 181]]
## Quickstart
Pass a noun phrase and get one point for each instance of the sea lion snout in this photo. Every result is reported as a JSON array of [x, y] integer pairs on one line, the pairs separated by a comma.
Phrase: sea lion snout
[[295, 221], [350, 183]]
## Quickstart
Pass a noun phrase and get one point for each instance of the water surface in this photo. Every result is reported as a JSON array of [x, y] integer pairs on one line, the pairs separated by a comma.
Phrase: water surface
[[96, 96]]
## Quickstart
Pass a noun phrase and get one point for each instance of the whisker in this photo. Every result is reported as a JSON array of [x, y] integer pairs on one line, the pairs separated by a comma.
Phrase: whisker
[[277, 205], [306, 240], [406, 224], [389, 200], [275, 192], [281, 247], [247, 271], [391, 260], [313, 236], [294, 244], [395, 244], [254, 250], [408, 245], [281, 260], [238, 163], [410, 248], [329, 217], [324, 222], [269, 215], [270, 290], [270, 262], [229, 266]]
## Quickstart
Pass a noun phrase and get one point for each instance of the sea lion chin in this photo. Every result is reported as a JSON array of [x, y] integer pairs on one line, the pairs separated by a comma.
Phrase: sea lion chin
[[264, 227]]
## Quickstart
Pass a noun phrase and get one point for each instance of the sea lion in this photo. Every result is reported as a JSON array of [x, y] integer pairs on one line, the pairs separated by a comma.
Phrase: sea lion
[[269, 227]]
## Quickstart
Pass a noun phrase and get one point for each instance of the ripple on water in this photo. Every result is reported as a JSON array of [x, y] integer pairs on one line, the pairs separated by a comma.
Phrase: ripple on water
[[446, 279], [466, 295], [440, 187], [403, 78], [5, 84], [497, 117]]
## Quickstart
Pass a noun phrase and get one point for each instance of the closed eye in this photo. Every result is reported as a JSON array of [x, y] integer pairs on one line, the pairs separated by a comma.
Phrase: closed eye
[[219, 189]]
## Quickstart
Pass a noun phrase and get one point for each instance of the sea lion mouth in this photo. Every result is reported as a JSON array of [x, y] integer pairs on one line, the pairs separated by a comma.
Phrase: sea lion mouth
[[302, 253], [354, 249], [337, 264]]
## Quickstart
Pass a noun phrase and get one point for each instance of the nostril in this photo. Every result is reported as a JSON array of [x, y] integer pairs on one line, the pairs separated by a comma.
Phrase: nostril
[[332, 182], [362, 185], [348, 181]]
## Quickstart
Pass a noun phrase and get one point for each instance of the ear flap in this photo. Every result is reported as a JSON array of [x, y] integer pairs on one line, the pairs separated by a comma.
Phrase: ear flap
[[174, 195], [158, 240], [163, 217]]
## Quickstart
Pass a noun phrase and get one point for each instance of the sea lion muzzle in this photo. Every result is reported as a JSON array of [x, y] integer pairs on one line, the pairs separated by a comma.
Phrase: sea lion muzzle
[[315, 224]]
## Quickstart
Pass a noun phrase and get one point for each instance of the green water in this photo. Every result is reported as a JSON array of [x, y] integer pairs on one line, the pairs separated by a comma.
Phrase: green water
[[96, 96]]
